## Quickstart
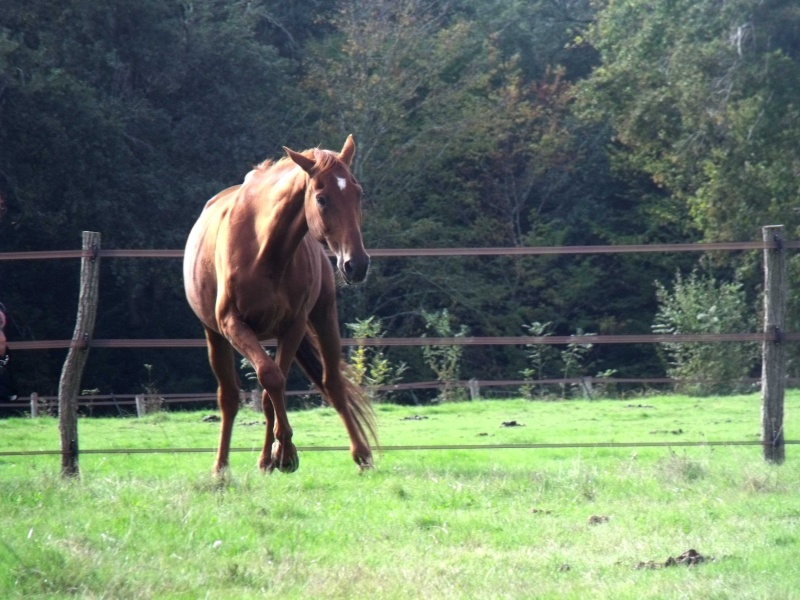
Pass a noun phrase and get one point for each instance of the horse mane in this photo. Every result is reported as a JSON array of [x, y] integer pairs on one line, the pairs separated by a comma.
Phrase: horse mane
[[264, 165], [324, 161]]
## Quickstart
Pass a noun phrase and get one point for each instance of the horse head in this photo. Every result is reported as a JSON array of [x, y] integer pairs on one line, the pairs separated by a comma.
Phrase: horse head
[[333, 207]]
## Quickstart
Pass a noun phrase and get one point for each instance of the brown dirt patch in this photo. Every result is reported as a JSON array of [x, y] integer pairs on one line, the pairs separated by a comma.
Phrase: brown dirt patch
[[690, 558]]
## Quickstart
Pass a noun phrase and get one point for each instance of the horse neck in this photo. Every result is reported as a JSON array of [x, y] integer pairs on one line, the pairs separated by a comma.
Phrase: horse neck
[[280, 220]]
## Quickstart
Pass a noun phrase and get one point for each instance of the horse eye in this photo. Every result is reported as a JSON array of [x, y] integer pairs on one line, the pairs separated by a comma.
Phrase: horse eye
[[322, 201]]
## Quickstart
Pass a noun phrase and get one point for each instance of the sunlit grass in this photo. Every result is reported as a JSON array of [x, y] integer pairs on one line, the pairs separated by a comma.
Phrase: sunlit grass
[[424, 523]]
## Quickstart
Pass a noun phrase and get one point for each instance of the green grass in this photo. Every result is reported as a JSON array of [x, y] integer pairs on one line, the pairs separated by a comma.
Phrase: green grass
[[423, 524]]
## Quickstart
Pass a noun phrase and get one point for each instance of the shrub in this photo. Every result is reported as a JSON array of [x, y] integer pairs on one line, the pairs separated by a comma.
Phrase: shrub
[[369, 366], [701, 304], [443, 360]]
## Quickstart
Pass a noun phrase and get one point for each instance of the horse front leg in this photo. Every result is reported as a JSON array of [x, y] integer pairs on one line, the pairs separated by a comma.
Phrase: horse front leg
[[279, 452], [265, 460], [278, 444], [273, 380]]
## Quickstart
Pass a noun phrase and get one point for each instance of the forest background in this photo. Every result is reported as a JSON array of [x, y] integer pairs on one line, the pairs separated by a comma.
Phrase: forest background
[[478, 123]]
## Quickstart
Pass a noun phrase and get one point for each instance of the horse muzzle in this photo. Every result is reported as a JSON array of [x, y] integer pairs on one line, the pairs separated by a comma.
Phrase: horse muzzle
[[353, 269]]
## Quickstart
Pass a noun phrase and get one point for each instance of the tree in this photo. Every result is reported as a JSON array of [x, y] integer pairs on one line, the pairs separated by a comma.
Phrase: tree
[[467, 139], [702, 97], [124, 118]]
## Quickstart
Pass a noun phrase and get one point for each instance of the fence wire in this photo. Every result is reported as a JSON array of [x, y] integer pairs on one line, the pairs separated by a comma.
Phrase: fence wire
[[416, 447]]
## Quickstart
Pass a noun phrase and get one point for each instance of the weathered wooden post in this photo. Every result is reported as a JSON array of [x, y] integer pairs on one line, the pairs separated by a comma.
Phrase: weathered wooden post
[[147, 404], [141, 407], [474, 389], [586, 386], [34, 405], [773, 366], [72, 371]]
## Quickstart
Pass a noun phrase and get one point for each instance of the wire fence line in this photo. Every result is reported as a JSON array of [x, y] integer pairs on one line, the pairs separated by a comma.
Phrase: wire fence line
[[415, 447]]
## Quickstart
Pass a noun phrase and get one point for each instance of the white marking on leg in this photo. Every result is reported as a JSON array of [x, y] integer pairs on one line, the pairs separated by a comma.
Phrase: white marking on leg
[[342, 182]]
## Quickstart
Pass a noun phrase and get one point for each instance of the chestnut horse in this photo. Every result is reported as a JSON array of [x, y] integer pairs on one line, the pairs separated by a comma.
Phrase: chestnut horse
[[255, 269]]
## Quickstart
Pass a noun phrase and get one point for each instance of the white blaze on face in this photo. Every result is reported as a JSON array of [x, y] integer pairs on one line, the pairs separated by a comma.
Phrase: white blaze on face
[[342, 182]]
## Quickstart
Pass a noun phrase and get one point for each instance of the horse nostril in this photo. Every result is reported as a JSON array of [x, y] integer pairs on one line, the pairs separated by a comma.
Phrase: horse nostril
[[355, 270]]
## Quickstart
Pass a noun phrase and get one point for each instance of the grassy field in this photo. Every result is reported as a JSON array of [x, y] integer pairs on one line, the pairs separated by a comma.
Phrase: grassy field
[[521, 523]]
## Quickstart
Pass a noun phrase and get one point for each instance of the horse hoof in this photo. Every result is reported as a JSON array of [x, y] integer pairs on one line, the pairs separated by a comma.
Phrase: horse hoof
[[364, 463], [221, 471], [287, 465], [285, 459], [265, 465]]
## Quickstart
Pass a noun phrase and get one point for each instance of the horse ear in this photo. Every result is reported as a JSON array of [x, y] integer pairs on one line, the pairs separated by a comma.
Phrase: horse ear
[[305, 163], [348, 151]]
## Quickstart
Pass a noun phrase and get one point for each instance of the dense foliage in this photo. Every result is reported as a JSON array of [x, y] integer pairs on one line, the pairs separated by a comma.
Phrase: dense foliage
[[478, 123]]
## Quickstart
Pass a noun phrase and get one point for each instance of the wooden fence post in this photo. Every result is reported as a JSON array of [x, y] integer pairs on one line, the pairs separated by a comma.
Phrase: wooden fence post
[[72, 371], [586, 386], [141, 407], [147, 404], [474, 390], [34, 405], [773, 366], [255, 399]]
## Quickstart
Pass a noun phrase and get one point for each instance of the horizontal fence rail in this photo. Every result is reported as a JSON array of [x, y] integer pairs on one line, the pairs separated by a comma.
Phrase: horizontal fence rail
[[438, 252], [522, 340]]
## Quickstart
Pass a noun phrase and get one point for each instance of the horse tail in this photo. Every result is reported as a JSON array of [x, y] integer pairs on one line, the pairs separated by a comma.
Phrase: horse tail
[[356, 401]]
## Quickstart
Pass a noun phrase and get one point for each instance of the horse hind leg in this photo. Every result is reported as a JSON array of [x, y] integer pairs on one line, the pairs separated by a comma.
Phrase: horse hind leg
[[222, 361], [322, 363]]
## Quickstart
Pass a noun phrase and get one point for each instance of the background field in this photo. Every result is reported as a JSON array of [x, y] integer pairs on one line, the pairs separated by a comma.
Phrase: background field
[[491, 523]]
